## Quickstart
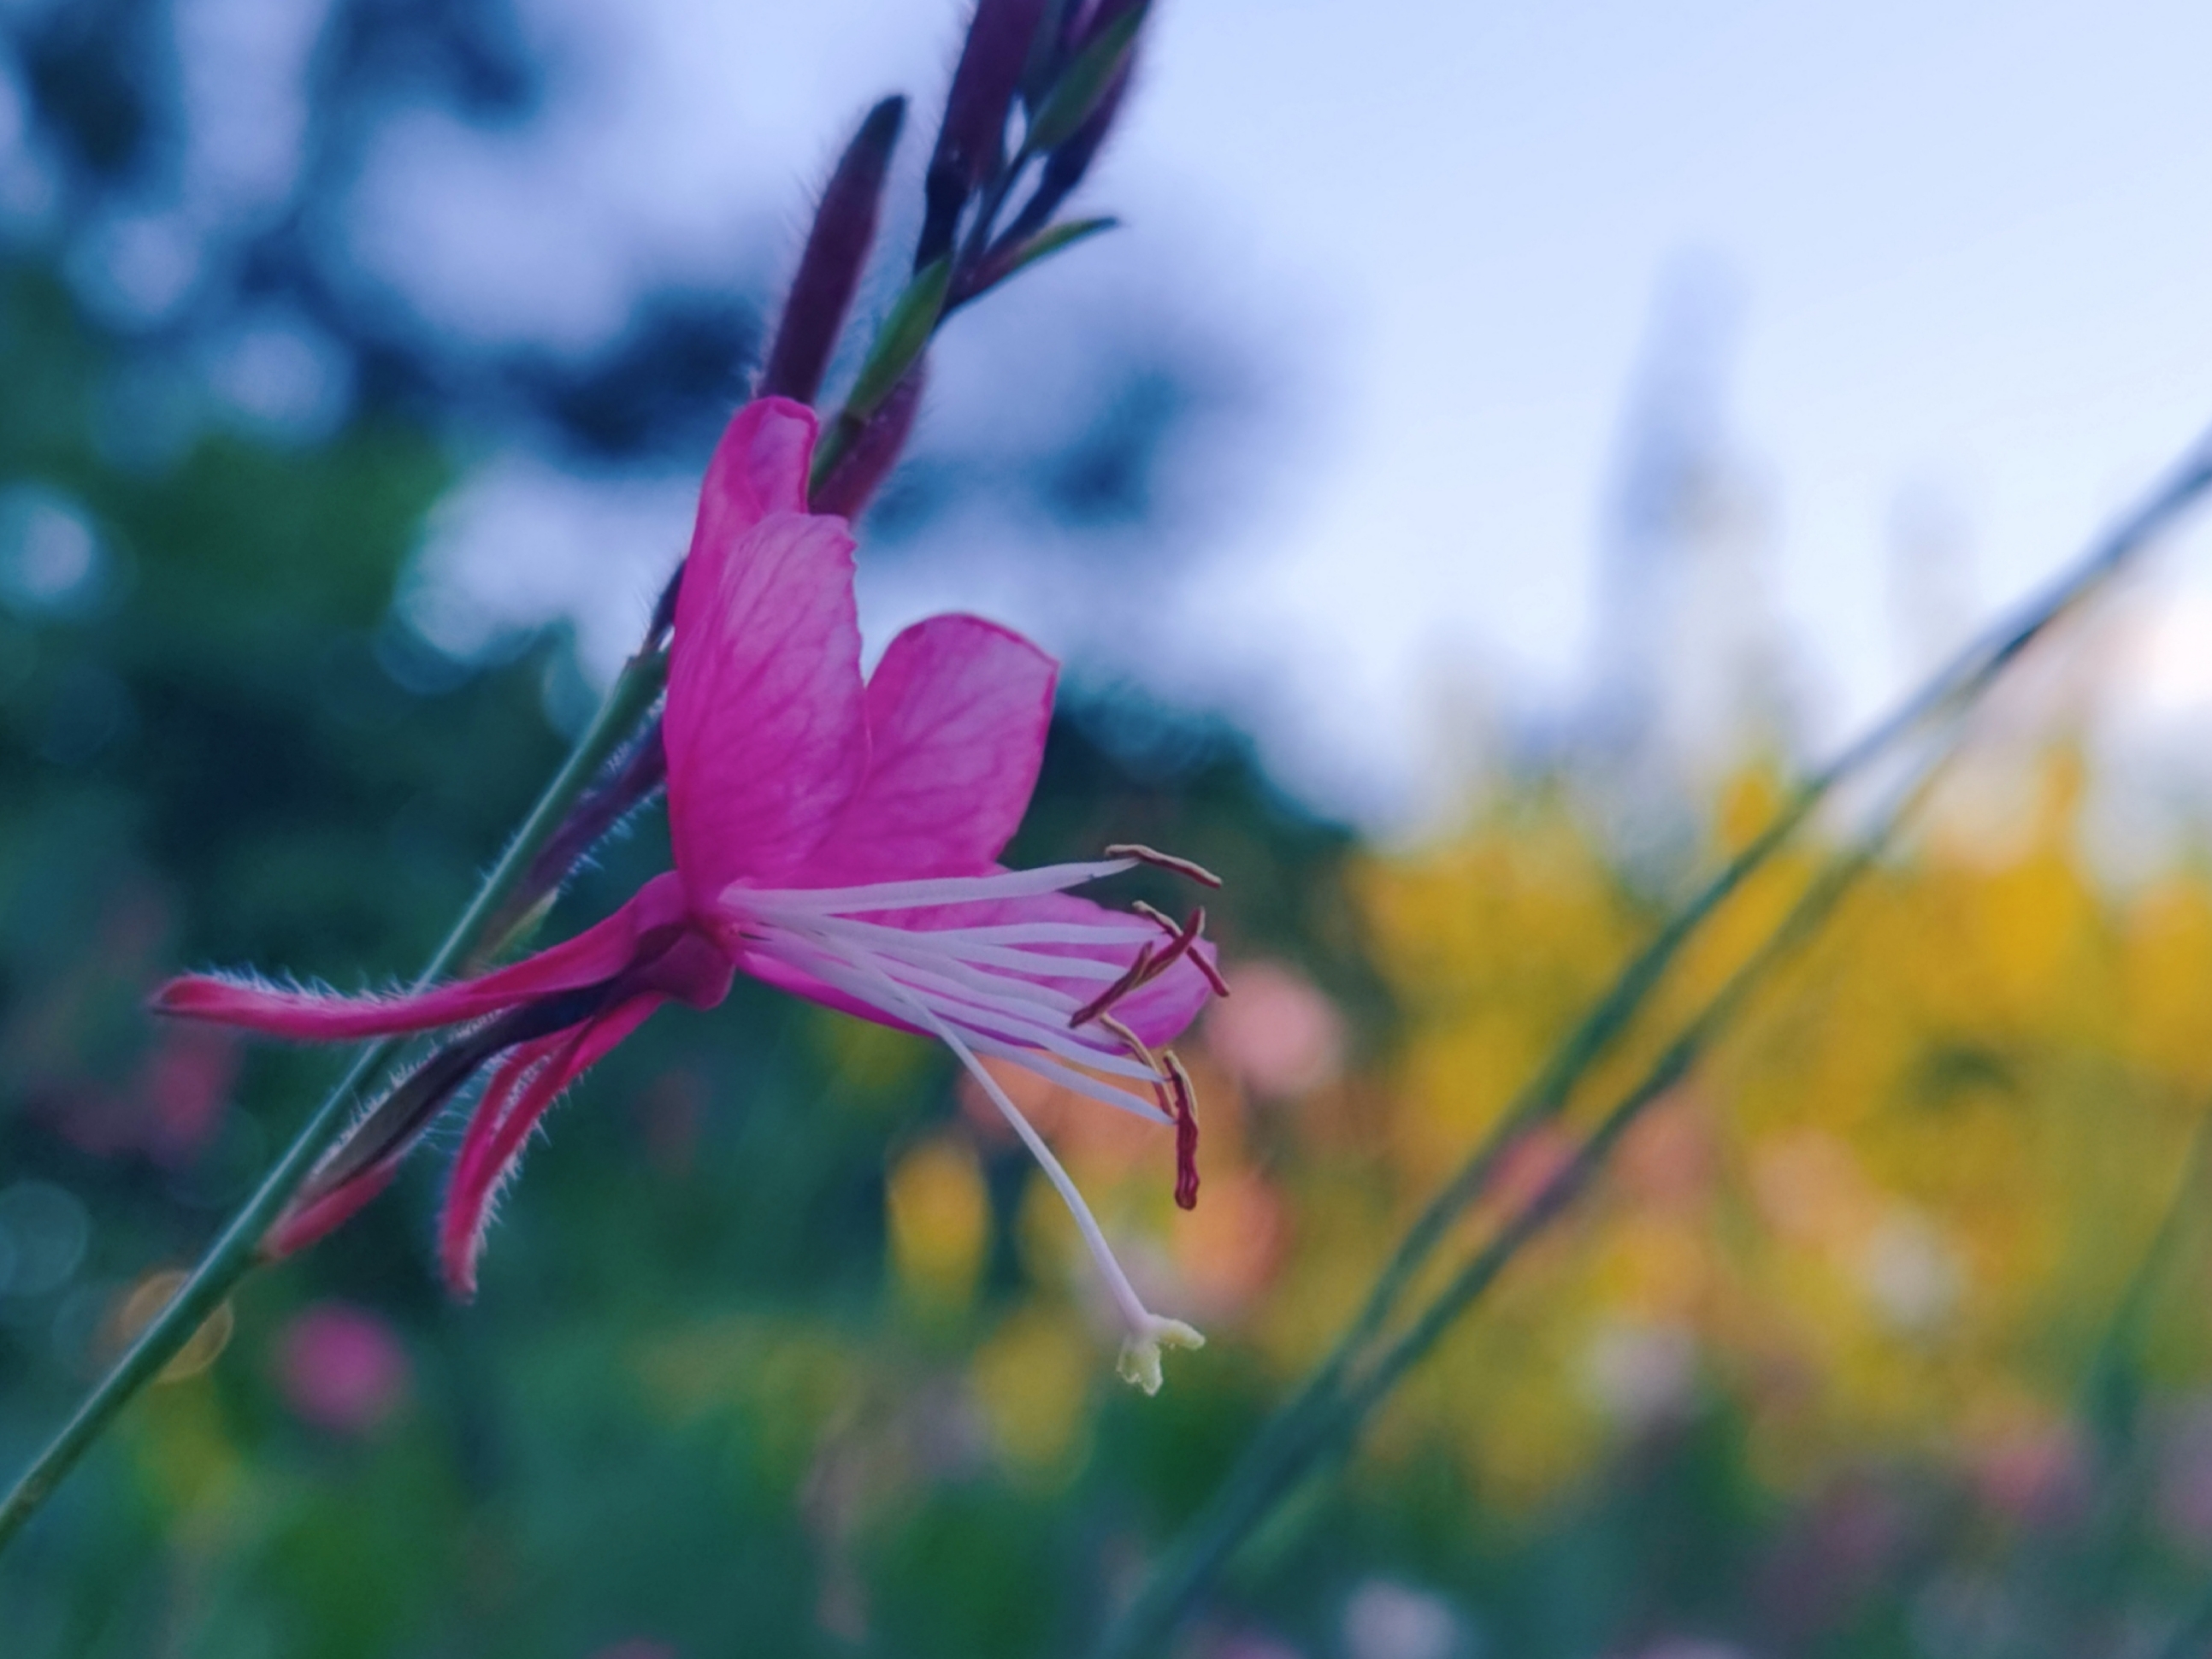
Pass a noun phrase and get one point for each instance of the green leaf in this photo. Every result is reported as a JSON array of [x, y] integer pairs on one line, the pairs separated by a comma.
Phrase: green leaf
[[905, 332], [1086, 81], [1046, 243]]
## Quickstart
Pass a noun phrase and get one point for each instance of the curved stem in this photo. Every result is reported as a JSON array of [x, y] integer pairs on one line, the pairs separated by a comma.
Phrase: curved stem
[[235, 1252]]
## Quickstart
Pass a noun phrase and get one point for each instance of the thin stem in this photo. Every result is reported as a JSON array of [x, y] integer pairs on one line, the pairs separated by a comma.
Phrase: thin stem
[[1286, 1438], [1956, 686], [2104, 1410], [1325, 1418], [235, 1252], [1299, 1427]]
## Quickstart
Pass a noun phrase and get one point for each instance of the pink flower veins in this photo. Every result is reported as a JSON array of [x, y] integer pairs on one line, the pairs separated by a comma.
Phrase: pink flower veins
[[835, 837]]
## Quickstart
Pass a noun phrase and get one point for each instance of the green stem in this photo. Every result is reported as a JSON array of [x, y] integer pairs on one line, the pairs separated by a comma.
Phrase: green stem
[[2105, 1411], [1300, 1428], [1326, 1417], [235, 1254], [1955, 687]]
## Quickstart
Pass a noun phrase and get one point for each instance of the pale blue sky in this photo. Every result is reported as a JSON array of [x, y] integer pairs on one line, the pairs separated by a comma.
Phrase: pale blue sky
[[1971, 247]]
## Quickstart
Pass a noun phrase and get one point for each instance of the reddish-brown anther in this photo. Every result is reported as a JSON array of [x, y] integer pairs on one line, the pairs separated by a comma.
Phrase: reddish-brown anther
[[1184, 1098], [971, 144], [837, 252]]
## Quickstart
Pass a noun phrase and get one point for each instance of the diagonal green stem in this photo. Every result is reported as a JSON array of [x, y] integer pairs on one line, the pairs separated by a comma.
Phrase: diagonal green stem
[[1325, 1418], [1959, 684], [1298, 1427], [236, 1251]]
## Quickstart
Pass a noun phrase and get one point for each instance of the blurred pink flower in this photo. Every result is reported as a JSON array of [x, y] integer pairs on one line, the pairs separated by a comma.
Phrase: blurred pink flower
[[186, 1079], [1384, 1619], [2038, 1473], [341, 1368], [635, 1647], [834, 838], [1280, 1035]]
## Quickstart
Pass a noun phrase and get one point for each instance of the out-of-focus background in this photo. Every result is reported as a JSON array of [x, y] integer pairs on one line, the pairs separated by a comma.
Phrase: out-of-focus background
[[1499, 453]]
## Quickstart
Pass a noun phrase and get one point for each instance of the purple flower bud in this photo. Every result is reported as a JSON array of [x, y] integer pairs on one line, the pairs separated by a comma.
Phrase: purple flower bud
[[1086, 23], [1064, 167], [836, 250], [1049, 51], [1091, 81], [628, 783], [875, 449], [971, 144]]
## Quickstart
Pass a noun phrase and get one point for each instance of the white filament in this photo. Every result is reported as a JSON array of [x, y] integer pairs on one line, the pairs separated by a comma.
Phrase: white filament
[[981, 990]]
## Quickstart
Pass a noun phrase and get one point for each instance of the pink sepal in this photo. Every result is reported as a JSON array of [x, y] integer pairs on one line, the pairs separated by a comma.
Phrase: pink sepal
[[598, 953], [533, 1077]]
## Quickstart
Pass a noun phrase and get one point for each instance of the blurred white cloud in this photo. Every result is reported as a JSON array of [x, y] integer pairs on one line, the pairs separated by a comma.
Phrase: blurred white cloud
[[522, 544], [243, 67]]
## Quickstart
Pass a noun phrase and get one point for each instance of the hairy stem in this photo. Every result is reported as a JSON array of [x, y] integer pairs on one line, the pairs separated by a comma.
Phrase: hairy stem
[[235, 1251]]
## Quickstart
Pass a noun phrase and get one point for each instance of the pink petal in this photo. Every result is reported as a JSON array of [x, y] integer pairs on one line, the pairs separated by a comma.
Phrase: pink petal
[[473, 1168], [598, 952], [759, 468], [958, 712], [767, 739], [533, 1076]]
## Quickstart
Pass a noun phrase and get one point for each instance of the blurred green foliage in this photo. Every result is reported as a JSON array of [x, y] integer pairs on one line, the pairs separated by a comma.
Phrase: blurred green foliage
[[217, 745], [778, 1350]]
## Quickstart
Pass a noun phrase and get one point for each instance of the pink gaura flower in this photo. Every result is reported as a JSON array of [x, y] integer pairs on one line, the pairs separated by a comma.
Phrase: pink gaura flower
[[836, 838]]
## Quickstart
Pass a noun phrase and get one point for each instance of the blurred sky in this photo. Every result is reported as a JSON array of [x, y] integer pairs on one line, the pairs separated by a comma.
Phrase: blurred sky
[[1959, 256]]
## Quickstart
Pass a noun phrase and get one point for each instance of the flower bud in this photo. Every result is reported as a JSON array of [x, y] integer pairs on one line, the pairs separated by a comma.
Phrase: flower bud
[[1056, 43], [899, 343], [852, 484], [1087, 84], [627, 783], [1065, 166], [836, 250], [971, 143]]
